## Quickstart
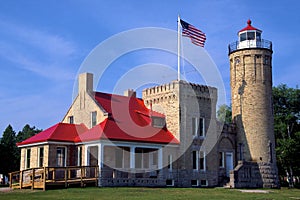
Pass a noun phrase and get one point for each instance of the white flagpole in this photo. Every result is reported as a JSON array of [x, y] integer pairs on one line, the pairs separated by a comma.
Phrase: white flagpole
[[178, 46]]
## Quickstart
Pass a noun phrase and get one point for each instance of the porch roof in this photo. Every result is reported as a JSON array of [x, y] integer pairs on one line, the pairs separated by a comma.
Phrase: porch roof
[[60, 132]]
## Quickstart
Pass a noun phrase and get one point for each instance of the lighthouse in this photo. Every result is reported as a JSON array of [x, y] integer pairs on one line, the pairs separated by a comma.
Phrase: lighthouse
[[252, 109]]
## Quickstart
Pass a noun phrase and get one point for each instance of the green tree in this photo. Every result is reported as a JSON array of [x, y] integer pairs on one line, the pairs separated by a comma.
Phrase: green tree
[[287, 129], [224, 113], [9, 151], [26, 132]]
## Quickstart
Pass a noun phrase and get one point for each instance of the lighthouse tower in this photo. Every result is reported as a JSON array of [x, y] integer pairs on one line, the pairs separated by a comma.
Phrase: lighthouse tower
[[252, 110]]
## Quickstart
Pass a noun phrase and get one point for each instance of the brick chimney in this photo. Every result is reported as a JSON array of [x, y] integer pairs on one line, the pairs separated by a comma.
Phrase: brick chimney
[[130, 93], [85, 82]]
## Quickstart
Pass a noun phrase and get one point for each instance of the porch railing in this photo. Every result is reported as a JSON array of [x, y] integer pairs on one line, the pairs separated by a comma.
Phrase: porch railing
[[41, 177]]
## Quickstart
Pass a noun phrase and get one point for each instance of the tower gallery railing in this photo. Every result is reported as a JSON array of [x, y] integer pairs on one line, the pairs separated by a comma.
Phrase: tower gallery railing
[[265, 44]]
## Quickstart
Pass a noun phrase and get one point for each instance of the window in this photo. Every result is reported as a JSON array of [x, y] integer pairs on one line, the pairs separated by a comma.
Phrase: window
[[271, 152], [170, 160], [250, 35], [158, 122], [170, 182], [258, 36], [241, 151], [221, 159], [202, 127], [138, 158], [71, 119], [41, 157], [195, 160], [119, 157], [194, 182], [79, 156], [28, 152], [243, 37], [198, 126], [195, 126], [266, 60], [202, 161], [204, 183], [94, 119], [61, 156]]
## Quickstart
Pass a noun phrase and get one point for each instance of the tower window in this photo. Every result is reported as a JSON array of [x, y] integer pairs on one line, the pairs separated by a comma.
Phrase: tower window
[[195, 160], [202, 161], [243, 37], [198, 126]]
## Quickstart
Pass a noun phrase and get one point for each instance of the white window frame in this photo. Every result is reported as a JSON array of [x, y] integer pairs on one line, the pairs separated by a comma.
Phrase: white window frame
[[26, 158], [65, 156], [204, 160], [197, 160], [202, 132], [206, 182], [196, 184], [170, 162], [196, 128], [79, 157], [39, 154], [171, 184]]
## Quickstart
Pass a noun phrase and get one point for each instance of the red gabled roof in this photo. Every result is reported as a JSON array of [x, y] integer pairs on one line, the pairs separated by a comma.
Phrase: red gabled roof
[[249, 27], [124, 131], [129, 120], [60, 132]]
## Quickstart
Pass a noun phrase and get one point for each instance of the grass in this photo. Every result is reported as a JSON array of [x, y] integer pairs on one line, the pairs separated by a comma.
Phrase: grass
[[148, 193]]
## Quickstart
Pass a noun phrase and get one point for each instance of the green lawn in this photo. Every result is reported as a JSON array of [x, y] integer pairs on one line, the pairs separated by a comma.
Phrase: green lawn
[[148, 193]]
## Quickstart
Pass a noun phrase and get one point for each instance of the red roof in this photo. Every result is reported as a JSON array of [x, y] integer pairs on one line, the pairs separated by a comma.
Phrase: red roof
[[249, 27], [60, 132], [129, 120], [123, 131]]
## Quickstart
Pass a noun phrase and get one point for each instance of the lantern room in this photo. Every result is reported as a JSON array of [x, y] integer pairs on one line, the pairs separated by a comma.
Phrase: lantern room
[[249, 37]]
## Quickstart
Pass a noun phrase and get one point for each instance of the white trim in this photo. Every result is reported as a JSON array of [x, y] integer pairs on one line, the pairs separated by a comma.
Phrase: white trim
[[206, 182], [46, 142], [196, 181], [204, 160], [170, 162], [38, 157], [171, 184], [197, 160], [65, 156]]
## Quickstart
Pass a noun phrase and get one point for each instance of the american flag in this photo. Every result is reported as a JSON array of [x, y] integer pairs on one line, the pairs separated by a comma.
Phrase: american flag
[[197, 36]]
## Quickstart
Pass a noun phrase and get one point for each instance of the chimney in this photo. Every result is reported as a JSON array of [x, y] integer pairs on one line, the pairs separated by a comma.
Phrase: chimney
[[85, 82], [130, 93]]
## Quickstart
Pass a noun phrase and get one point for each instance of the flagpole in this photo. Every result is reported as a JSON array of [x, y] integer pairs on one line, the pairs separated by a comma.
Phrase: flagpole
[[178, 47]]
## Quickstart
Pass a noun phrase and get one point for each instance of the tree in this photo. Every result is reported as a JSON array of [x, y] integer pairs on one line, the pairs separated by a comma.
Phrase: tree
[[9, 151], [224, 114], [286, 102], [26, 132]]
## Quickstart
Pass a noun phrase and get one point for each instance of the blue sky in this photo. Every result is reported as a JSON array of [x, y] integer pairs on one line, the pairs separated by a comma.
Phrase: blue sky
[[43, 43]]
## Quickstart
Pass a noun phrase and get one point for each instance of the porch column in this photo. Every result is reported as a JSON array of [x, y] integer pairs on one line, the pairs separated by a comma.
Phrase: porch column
[[160, 158], [132, 157]]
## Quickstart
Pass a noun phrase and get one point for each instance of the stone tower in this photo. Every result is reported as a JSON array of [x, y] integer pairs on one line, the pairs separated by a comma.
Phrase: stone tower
[[252, 109]]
